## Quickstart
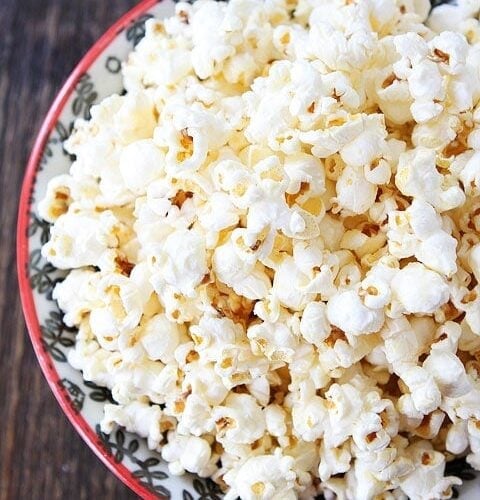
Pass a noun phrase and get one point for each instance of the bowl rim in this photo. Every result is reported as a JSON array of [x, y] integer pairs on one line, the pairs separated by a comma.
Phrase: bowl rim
[[22, 248]]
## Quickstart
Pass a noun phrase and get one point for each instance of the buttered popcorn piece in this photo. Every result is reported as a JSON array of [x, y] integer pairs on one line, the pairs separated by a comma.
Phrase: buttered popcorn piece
[[273, 250], [262, 477]]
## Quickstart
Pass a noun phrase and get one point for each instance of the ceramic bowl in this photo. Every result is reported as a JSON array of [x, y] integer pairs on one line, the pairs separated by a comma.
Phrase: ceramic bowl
[[97, 76]]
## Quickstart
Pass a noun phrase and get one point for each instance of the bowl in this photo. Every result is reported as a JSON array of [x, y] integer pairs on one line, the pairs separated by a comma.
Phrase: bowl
[[97, 76]]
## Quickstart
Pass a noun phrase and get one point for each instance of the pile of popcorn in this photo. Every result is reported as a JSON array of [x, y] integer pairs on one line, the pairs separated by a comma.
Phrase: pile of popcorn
[[274, 245]]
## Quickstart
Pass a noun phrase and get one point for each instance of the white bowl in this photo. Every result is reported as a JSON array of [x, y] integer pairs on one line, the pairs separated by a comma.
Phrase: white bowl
[[96, 77]]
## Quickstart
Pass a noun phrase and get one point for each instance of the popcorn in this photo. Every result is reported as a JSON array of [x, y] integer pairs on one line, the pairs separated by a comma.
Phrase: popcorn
[[137, 417], [95, 231], [190, 454], [419, 290], [457, 438], [140, 164], [160, 338], [448, 372], [182, 261], [424, 392], [346, 311], [275, 341], [418, 231], [76, 295], [196, 417], [353, 181], [417, 176], [314, 325], [307, 419], [272, 245], [333, 461], [430, 466], [264, 476], [275, 420], [240, 420]]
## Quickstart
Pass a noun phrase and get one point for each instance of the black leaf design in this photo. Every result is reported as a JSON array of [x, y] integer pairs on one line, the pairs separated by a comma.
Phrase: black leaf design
[[99, 394], [55, 334], [133, 446], [76, 395], [150, 462], [120, 437], [121, 445], [62, 131], [158, 474], [55, 352], [199, 487], [136, 31], [436, 3], [118, 457], [104, 440], [208, 490], [85, 97], [47, 153], [187, 495], [41, 272], [460, 468], [161, 490], [37, 224]]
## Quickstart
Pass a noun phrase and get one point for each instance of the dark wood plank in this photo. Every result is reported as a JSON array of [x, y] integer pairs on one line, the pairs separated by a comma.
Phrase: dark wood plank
[[41, 456]]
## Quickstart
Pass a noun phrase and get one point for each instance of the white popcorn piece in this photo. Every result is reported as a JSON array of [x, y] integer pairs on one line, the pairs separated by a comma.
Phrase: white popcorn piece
[[430, 466], [273, 340], [346, 311], [137, 417], [457, 437], [190, 454], [275, 419], [160, 338], [417, 176], [307, 418], [77, 295], [196, 417], [314, 325], [182, 261], [262, 477], [240, 420], [354, 192], [64, 190], [418, 231], [419, 290], [96, 232], [333, 461], [448, 372], [448, 17], [425, 394], [140, 164]]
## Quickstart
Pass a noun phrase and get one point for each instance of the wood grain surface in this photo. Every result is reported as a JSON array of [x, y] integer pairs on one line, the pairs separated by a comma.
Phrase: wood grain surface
[[41, 456]]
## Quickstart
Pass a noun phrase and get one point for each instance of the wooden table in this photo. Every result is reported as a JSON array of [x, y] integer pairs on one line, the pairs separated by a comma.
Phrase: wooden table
[[41, 456]]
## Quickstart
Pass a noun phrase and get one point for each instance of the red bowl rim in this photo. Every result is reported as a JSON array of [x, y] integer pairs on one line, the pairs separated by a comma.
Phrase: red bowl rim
[[26, 294]]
